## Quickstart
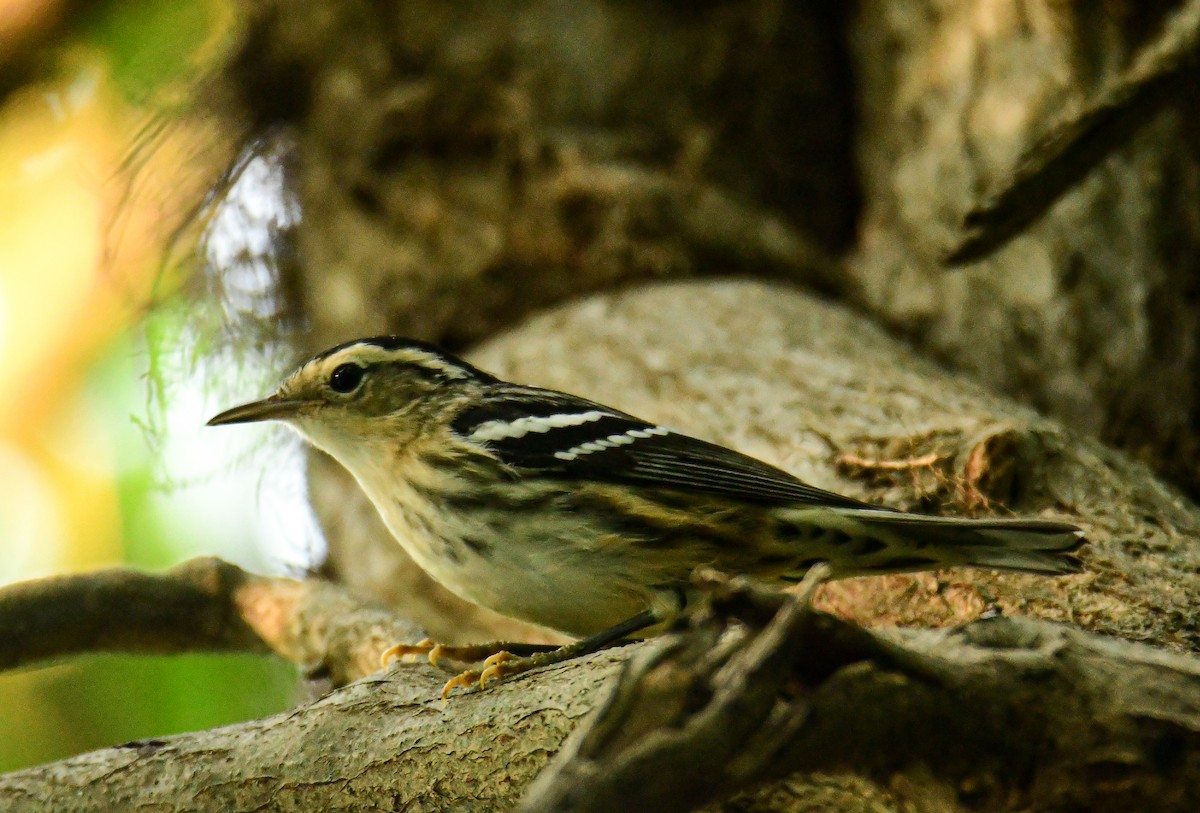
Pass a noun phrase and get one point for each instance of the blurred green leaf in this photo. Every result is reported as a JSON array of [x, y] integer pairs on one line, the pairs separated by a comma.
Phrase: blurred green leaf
[[150, 43], [100, 700]]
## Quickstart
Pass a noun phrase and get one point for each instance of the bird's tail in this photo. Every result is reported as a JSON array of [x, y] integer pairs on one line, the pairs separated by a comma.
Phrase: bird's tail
[[861, 541]]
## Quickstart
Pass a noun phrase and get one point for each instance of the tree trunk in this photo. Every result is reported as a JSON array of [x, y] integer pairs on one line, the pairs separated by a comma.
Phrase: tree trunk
[[466, 172], [1002, 715], [1089, 315]]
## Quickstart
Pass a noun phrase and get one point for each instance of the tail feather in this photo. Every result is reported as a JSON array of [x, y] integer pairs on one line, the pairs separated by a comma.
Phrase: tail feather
[[862, 541]]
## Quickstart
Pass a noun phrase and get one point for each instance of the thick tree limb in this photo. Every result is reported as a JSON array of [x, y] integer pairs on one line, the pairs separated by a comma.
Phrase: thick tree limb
[[1016, 709], [815, 389], [384, 741], [201, 605], [1005, 713], [1163, 72]]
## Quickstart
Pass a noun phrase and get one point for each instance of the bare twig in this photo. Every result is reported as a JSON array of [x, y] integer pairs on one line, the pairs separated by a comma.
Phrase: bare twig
[[857, 461], [203, 604], [1163, 71]]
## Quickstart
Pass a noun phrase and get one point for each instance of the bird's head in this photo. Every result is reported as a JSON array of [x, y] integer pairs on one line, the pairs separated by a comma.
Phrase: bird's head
[[382, 389]]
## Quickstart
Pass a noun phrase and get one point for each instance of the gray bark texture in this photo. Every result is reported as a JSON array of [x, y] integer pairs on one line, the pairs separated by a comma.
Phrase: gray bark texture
[[1003, 715], [821, 392], [1090, 315], [460, 166], [532, 182]]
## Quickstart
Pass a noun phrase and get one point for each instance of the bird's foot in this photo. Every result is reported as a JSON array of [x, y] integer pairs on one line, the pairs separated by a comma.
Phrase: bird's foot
[[439, 654], [497, 666], [408, 653], [502, 660]]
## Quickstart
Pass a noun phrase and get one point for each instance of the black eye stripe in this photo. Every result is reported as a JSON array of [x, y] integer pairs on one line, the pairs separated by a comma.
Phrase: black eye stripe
[[347, 377], [430, 375]]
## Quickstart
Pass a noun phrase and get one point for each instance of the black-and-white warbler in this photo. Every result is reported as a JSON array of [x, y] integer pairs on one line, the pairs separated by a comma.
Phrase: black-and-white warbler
[[576, 516]]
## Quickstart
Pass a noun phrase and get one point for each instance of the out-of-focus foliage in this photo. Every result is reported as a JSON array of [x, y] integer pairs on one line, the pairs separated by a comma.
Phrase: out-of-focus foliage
[[89, 203], [150, 45]]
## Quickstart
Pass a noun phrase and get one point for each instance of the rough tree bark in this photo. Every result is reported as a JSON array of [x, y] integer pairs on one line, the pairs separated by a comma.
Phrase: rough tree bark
[[819, 390], [460, 167], [1090, 314], [944, 721]]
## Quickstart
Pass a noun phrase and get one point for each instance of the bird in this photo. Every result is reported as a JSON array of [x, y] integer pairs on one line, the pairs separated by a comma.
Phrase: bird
[[564, 512]]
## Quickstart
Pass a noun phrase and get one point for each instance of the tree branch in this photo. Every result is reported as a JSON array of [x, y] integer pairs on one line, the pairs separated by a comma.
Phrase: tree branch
[[1007, 713], [202, 605], [717, 707], [1020, 710], [385, 740], [1016, 709], [1075, 144], [811, 387]]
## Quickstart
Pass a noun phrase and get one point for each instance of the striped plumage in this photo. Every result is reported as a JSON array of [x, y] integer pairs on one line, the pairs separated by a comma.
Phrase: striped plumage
[[576, 516]]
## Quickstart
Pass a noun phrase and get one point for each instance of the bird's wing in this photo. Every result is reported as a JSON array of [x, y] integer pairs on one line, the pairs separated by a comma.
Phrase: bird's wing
[[552, 434]]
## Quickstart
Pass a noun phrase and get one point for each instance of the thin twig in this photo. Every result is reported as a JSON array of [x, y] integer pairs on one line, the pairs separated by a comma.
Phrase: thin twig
[[905, 464]]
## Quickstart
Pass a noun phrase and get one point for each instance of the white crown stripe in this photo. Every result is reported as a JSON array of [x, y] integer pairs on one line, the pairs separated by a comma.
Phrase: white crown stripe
[[502, 430]]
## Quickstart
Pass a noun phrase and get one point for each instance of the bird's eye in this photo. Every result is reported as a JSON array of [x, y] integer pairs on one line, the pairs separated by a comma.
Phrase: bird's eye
[[345, 378]]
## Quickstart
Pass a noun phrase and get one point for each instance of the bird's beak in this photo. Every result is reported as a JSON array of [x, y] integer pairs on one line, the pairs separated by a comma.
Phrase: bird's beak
[[271, 408]]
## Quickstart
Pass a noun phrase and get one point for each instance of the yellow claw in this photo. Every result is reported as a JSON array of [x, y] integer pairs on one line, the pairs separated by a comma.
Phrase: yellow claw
[[409, 653], [464, 680], [494, 667], [499, 665], [436, 654]]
